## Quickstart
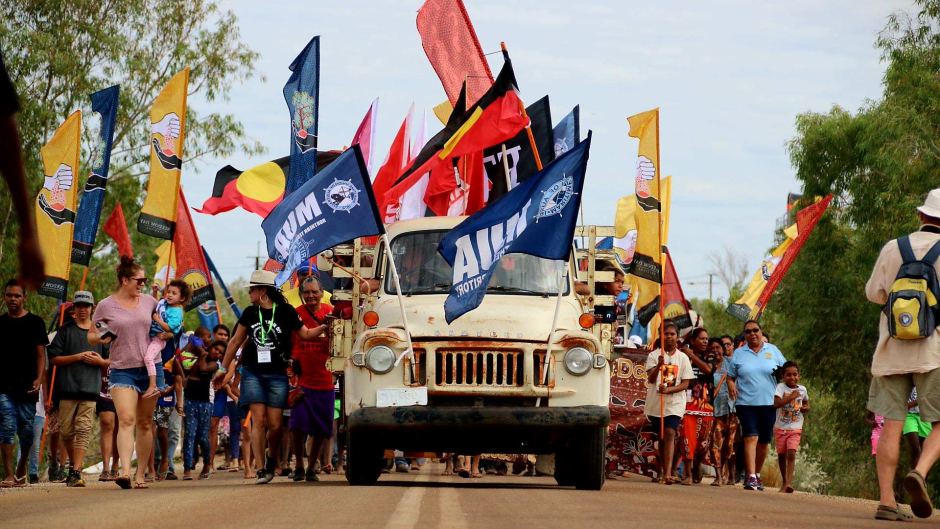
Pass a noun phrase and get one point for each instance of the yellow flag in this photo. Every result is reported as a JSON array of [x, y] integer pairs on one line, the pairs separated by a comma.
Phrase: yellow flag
[[666, 184], [166, 264], [746, 307], [167, 128], [647, 260], [625, 229], [56, 204]]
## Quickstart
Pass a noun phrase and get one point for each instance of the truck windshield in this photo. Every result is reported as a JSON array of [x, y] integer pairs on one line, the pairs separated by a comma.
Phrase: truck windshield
[[423, 271]]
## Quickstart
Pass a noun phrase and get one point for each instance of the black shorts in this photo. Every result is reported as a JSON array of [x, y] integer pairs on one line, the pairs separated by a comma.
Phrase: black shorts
[[104, 405], [757, 421], [671, 421]]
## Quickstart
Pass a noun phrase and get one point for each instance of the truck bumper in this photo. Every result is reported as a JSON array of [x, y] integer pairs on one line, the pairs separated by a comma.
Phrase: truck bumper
[[476, 429]]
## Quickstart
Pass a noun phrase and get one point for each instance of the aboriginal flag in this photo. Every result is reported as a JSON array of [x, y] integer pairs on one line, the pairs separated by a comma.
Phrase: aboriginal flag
[[258, 189]]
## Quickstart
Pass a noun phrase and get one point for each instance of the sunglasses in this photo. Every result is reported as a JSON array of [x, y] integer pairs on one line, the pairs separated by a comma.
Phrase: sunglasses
[[141, 281], [751, 331]]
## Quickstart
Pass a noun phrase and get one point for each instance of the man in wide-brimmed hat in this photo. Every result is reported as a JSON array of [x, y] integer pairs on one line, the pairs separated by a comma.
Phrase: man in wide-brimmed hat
[[899, 365]]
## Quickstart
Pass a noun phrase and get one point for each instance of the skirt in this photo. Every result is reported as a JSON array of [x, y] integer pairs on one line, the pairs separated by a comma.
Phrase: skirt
[[313, 415]]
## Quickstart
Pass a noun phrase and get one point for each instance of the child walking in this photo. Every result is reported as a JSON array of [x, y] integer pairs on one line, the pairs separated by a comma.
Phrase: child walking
[[792, 402], [167, 317]]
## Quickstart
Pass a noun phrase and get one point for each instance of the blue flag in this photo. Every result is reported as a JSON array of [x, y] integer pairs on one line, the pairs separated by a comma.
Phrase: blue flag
[[537, 217], [335, 206], [105, 104], [218, 279], [567, 132], [302, 93]]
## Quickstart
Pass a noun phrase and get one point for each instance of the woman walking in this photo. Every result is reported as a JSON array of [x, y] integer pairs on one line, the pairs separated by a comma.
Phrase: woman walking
[[122, 320]]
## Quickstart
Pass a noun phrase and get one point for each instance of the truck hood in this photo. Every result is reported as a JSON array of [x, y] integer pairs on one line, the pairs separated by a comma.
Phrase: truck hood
[[499, 316]]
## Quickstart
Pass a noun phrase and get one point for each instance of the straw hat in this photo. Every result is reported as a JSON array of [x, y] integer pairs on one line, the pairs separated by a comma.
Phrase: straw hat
[[262, 278]]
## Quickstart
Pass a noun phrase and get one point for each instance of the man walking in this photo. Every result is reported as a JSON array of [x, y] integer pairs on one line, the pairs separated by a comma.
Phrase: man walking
[[24, 363], [78, 381], [903, 361]]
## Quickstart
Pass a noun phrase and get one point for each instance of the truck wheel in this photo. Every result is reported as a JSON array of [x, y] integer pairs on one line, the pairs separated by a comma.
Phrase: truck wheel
[[363, 460], [564, 473], [589, 451]]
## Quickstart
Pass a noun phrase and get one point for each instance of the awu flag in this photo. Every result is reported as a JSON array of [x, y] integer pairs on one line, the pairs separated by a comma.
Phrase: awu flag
[[55, 204], [519, 157], [567, 133], [335, 206], [258, 190], [218, 279], [302, 93], [208, 314], [167, 129], [538, 217], [190, 261], [105, 104]]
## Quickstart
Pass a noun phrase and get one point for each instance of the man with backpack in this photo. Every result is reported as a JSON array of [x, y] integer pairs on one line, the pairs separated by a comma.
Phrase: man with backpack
[[904, 282]]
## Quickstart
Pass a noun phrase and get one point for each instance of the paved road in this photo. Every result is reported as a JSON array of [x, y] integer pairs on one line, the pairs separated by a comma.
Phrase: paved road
[[423, 499]]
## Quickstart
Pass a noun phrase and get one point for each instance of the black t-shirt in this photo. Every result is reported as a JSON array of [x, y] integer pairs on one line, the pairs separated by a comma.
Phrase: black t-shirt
[[273, 336], [197, 386], [18, 354], [703, 382], [9, 103]]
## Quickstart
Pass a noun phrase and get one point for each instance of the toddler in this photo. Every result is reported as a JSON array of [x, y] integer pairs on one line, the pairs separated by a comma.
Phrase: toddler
[[167, 317], [791, 401]]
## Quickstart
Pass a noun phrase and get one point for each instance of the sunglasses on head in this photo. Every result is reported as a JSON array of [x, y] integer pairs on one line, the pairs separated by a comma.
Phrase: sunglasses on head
[[751, 331]]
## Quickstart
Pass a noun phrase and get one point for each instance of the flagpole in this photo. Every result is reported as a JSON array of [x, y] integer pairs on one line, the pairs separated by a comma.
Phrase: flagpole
[[528, 128], [401, 306], [506, 169], [662, 264], [81, 286], [562, 273]]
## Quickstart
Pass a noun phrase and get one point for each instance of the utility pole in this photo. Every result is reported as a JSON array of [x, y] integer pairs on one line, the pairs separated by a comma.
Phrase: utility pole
[[257, 257], [710, 276]]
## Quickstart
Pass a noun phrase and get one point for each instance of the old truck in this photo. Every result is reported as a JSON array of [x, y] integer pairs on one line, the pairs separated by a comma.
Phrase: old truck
[[485, 383]]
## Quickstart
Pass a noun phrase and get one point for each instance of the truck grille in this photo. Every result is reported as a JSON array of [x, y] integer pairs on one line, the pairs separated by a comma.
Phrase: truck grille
[[479, 368]]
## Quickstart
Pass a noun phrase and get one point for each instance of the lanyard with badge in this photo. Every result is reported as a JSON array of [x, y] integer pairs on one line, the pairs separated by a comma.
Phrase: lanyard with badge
[[264, 350]]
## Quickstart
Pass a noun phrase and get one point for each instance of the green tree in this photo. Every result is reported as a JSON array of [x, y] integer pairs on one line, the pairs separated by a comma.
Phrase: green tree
[[879, 162], [58, 52]]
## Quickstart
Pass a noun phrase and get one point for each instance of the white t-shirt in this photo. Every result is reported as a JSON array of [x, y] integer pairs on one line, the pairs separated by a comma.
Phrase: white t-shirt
[[789, 416], [678, 368]]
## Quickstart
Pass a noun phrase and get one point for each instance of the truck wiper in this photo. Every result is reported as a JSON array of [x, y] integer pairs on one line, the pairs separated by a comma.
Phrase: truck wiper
[[503, 288], [437, 287]]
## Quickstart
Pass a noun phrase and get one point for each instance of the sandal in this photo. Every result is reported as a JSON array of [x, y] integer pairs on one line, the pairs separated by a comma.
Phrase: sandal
[[920, 499], [328, 468], [476, 475], [892, 514], [20, 482], [123, 481], [140, 485], [6, 484], [204, 474]]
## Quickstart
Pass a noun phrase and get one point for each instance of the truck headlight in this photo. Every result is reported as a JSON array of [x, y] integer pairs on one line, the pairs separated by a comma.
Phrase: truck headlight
[[380, 359], [578, 360]]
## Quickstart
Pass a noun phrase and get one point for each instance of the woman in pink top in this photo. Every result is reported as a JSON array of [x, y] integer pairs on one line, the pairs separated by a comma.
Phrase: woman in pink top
[[123, 321]]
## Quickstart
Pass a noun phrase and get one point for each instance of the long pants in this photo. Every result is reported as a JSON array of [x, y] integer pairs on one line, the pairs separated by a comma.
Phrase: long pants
[[234, 413], [198, 417], [34, 456], [173, 436]]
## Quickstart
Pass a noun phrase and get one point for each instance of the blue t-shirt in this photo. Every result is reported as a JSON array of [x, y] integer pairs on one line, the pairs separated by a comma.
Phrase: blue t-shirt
[[173, 316], [754, 374]]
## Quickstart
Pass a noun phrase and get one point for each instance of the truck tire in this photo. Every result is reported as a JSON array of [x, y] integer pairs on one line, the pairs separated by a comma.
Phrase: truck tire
[[589, 450], [363, 460], [564, 471]]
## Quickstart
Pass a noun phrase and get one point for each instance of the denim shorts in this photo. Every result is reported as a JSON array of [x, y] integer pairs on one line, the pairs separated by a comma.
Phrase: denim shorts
[[16, 419], [757, 421], [672, 422], [269, 389], [130, 378], [219, 405]]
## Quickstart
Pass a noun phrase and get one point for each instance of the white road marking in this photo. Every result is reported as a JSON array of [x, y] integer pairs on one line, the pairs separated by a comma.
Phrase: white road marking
[[451, 513], [408, 509]]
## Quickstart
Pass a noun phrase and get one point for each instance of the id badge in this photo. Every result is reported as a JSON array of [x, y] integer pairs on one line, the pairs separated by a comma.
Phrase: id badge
[[264, 355]]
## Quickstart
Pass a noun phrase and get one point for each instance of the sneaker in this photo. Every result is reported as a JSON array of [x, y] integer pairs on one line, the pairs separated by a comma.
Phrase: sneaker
[[70, 480], [76, 480], [33, 479], [751, 483], [760, 484], [311, 475], [264, 477], [402, 467], [58, 475], [298, 474]]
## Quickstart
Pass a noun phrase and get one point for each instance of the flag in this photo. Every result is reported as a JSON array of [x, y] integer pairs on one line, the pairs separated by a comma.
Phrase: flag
[[624, 242], [647, 260], [190, 261], [675, 305], [335, 206], [451, 45], [567, 133], [495, 118], [116, 228], [395, 163], [746, 308], [167, 129], [665, 192], [258, 189], [519, 156], [365, 134], [105, 104], [302, 93], [218, 279], [208, 314], [538, 217], [55, 204], [166, 264]]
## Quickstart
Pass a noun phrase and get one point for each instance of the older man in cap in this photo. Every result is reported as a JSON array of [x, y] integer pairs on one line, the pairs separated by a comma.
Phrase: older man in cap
[[78, 382], [901, 364]]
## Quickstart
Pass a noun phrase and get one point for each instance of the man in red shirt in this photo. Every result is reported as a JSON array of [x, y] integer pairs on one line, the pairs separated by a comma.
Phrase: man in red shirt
[[313, 414]]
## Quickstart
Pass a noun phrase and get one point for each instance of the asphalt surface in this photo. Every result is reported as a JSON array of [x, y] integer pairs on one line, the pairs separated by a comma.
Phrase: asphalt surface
[[423, 499]]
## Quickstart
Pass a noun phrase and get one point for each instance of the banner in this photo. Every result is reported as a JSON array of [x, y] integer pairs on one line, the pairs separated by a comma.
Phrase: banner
[[395, 164], [451, 45], [167, 128], [647, 260], [538, 218], [746, 307], [208, 314], [302, 93], [365, 134], [567, 133], [166, 264], [218, 279], [190, 261], [675, 305], [55, 205], [335, 206], [116, 228], [105, 104], [519, 156], [624, 243]]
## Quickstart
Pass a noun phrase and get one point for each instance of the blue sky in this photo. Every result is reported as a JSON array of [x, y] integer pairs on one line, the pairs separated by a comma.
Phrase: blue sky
[[729, 77]]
